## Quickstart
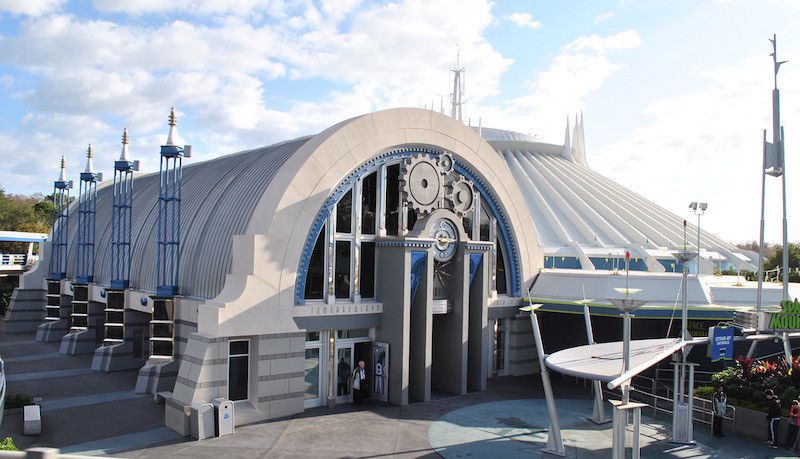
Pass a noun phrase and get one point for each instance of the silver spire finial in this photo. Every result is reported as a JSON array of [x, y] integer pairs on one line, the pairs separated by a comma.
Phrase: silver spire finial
[[172, 137], [457, 100], [89, 156], [123, 156], [62, 177]]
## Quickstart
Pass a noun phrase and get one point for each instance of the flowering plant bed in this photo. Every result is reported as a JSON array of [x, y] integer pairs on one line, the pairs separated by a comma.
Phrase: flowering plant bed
[[747, 379]]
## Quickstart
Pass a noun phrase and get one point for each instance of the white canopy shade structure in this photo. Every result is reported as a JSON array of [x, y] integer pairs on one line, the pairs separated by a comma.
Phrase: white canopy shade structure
[[603, 361]]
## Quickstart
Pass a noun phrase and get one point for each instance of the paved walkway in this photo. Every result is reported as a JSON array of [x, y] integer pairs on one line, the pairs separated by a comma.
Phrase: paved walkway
[[97, 413], [78, 406], [512, 429]]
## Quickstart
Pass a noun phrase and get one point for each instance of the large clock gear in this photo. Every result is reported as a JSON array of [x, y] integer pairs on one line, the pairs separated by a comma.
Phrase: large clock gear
[[461, 193], [445, 162], [422, 183]]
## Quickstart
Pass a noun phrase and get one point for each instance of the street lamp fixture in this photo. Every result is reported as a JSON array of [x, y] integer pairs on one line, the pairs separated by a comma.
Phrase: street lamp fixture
[[699, 208]]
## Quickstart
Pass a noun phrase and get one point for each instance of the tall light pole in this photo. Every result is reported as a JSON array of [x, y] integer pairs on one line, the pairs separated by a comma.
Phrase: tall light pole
[[699, 208]]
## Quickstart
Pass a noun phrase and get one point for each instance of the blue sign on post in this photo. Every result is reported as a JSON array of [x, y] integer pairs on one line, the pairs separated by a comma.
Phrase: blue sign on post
[[721, 343]]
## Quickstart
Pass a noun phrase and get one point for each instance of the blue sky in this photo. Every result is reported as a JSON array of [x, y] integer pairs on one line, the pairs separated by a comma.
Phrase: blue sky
[[674, 93]]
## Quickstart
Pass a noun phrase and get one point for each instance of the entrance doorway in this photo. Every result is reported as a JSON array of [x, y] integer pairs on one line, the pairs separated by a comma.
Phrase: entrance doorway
[[363, 351]]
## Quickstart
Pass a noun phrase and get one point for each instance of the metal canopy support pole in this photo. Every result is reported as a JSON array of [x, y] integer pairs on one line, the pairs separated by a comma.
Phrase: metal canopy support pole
[[554, 443], [690, 423], [674, 399], [761, 233], [787, 349], [626, 355], [598, 410], [752, 349]]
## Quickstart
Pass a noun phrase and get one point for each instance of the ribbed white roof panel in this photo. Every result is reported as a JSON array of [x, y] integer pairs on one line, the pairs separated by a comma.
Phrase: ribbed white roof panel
[[218, 198], [574, 204]]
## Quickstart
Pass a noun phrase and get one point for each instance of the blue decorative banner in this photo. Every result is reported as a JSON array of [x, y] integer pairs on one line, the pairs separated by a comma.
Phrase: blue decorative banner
[[474, 262], [721, 343], [417, 268]]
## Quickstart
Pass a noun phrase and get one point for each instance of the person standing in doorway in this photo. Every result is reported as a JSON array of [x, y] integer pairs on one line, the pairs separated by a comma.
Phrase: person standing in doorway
[[359, 382], [773, 417], [794, 424], [720, 407], [342, 373]]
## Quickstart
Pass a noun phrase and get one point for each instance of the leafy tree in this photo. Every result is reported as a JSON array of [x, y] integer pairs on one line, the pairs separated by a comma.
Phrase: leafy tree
[[776, 261], [32, 213]]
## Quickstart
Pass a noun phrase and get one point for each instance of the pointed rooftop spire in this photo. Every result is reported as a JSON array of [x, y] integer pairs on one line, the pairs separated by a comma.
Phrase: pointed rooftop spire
[[62, 176], [172, 137], [89, 156], [123, 156]]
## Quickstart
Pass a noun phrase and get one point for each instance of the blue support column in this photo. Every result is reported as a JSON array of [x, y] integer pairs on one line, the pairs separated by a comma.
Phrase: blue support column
[[121, 215], [58, 245], [169, 215], [87, 207], [162, 324]]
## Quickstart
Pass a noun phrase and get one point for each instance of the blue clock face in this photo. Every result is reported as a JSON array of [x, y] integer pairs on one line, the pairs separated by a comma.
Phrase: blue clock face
[[445, 235]]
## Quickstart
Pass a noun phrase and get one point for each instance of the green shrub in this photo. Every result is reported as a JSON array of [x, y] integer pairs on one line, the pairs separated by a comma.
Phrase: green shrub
[[7, 444], [18, 400], [704, 391], [791, 393]]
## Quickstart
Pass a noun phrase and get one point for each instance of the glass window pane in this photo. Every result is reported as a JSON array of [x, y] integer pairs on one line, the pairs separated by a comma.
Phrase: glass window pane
[[161, 330], [312, 374], [499, 345], [354, 333], [342, 274], [344, 213], [344, 367], [467, 223], [237, 377], [115, 317], [162, 348], [312, 336], [367, 269], [163, 310], [502, 283], [315, 277], [369, 201], [392, 199], [239, 347], [485, 222], [114, 332]]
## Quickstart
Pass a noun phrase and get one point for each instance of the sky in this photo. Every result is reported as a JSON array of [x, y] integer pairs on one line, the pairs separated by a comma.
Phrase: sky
[[674, 93]]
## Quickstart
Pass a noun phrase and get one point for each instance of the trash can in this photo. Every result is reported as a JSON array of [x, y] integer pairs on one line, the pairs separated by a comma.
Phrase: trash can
[[223, 412], [202, 420]]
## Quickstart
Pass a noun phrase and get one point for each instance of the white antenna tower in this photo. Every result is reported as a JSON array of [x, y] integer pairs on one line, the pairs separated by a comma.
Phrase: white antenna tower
[[457, 99]]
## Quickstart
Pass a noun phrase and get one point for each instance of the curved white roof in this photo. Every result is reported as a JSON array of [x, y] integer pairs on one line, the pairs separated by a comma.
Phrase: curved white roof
[[575, 208]]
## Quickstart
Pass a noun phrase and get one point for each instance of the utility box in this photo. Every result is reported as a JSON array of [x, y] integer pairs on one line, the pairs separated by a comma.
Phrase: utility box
[[223, 413], [202, 420]]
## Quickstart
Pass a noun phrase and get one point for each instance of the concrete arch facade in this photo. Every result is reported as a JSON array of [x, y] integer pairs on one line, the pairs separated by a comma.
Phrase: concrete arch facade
[[258, 303]]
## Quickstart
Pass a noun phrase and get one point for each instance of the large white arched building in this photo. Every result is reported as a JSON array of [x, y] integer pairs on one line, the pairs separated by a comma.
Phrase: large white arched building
[[403, 238]]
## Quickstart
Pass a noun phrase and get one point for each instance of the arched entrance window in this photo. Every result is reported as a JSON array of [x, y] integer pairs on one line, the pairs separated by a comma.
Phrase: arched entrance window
[[339, 257]]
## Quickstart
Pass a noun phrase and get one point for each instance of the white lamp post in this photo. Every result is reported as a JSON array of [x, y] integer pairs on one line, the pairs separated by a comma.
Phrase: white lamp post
[[699, 208]]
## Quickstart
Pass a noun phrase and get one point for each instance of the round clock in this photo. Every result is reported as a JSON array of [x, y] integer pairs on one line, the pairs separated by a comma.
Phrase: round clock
[[445, 235]]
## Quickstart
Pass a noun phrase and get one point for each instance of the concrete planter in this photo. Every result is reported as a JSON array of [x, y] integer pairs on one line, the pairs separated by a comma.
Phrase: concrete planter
[[753, 424]]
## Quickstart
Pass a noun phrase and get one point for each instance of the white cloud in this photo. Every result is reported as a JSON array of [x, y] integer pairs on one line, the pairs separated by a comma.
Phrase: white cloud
[[30, 7], [604, 16], [196, 7], [581, 67], [228, 74], [707, 146], [523, 20]]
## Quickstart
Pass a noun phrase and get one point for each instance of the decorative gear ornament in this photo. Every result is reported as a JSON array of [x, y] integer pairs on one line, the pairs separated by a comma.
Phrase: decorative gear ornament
[[445, 162], [461, 193], [422, 183]]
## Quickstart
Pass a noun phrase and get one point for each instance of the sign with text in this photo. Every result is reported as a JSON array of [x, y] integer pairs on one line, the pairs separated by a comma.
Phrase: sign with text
[[786, 320], [721, 343]]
